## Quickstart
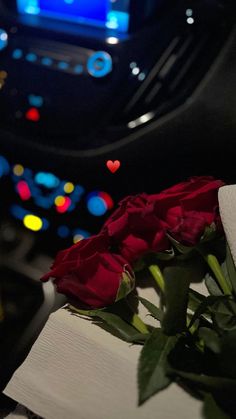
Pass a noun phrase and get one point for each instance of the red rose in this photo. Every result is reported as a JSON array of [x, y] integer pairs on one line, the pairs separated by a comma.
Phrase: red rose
[[89, 274], [188, 208], [135, 228]]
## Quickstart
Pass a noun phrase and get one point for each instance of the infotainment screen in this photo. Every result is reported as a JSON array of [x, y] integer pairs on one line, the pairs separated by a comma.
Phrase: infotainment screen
[[112, 14]]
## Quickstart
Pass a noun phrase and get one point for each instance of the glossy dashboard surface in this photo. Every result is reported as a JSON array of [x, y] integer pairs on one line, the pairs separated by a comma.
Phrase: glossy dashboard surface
[[160, 99]]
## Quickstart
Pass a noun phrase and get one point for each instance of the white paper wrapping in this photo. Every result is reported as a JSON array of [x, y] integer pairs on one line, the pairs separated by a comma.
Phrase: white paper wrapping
[[227, 202], [76, 370]]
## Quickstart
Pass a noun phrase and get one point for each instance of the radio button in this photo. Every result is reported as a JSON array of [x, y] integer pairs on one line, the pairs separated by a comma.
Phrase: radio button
[[3, 39], [99, 64]]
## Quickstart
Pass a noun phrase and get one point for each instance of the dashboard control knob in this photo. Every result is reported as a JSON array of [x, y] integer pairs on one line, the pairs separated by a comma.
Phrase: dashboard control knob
[[99, 64], [3, 39]]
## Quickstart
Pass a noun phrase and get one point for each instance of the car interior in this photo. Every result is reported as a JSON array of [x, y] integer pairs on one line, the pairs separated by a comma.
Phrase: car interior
[[99, 100]]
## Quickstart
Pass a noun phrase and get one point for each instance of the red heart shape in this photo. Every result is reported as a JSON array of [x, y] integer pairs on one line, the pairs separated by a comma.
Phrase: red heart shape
[[113, 166]]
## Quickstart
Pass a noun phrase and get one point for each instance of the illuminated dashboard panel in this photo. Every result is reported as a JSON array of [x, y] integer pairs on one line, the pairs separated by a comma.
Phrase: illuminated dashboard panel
[[101, 13], [97, 71]]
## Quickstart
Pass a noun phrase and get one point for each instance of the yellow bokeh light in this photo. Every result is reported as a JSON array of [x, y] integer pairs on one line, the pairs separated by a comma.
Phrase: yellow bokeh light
[[3, 74], [69, 187], [18, 170], [77, 238], [60, 201], [32, 222]]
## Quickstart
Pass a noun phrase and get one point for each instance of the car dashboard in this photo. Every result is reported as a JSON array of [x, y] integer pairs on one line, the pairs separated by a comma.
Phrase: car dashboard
[[149, 86]]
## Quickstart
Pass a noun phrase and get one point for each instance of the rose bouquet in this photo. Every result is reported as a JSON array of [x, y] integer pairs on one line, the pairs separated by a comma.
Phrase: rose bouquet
[[176, 239]]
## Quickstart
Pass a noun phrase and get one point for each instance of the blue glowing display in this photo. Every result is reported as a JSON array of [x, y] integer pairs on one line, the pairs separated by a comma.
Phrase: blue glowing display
[[94, 10], [104, 13]]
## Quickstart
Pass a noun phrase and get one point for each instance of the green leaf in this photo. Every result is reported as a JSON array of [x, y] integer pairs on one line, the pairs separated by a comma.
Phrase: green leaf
[[227, 355], [127, 284], [153, 362], [209, 234], [212, 286], [210, 338], [204, 381], [177, 281], [207, 306], [180, 247], [116, 323], [195, 299], [224, 316], [165, 256], [231, 268], [155, 311], [211, 410]]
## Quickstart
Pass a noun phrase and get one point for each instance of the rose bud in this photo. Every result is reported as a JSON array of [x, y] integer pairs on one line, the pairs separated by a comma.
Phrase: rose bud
[[188, 208], [90, 275], [135, 229]]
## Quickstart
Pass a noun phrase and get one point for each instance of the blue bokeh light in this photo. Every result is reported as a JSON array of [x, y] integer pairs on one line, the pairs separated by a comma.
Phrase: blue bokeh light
[[3, 39], [49, 180], [4, 166], [63, 231], [96, 206]]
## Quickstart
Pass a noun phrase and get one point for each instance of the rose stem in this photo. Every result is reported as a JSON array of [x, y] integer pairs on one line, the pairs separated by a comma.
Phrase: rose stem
[[139, 324], [157, 275], [200, 343], [216, 269], [135, 319]]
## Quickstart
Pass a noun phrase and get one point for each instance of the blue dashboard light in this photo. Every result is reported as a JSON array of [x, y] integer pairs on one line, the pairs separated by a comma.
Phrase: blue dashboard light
[[46, 224], [49, 180], [63, 232], [63, 65], [31, 57], [112, 14], [79, 190], [35, 100], [83, 233], [3, 39], [96, 206], [17, 54], [118, 20], [71, 208], [99, 64], [28, 6], [43, 202], [78, 69], [18, 212], [4, 166], [47, 61]]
